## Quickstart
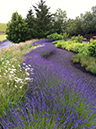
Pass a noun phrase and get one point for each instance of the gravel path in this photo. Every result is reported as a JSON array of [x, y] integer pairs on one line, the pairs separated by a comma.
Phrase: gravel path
[[64, 58]]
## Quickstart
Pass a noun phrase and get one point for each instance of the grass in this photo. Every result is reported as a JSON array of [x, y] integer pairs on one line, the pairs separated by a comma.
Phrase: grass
[[2, 31], [2, 27], [54, 99], [2, 37]]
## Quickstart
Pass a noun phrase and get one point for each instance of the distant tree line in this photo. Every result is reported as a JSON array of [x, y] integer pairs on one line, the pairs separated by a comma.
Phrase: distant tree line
[[44, 23]]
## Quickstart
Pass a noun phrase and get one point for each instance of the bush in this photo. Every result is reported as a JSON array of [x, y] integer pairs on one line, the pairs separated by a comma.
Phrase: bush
[[55, 36], [83, 50], [16, 29], [92, 48], [55, 42], [89, 63], [59, 45], [77, 39], [65, 36]]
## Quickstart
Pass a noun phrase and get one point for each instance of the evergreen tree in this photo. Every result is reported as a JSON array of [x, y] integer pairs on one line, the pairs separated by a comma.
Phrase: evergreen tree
[[43, 20], [30, 20], [16, 29]]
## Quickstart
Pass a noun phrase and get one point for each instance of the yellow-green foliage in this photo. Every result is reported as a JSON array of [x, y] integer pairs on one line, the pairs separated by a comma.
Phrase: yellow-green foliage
[[2, 37], [3, 27], [89, 63], [70, 45]]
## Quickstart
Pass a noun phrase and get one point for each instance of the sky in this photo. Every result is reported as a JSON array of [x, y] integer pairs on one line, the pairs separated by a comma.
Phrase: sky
[[73, 8]]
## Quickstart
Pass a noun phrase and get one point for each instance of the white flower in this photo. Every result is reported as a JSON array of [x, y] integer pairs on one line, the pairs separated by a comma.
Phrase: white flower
[[4, 73], [7, 83], [11, 72], [9, 69], [19, 80], [2, 59], [15, 86], [24, 64], [29, 65], [27, 73], [20, 87], [13, 66], [7, 62], [28, 68], [27, 78]]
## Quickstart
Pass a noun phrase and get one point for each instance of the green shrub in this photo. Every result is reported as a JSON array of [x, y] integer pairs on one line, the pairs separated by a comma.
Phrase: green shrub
[[89, 63], [55, 36], [94, 69], [59, 45], [65, 36], [92, 48], [89, 68], [55, 42], [83, 50], [76, 57], [77, 39]]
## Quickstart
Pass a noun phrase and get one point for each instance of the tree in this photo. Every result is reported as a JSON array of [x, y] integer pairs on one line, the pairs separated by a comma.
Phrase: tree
[[60, 19], [74, 27], [43, 20], [30, 20], [87, 24], [94, 18], [16, 29]]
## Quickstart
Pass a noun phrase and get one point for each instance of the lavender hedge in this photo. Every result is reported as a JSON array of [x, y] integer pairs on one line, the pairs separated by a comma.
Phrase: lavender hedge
[[56, 99]]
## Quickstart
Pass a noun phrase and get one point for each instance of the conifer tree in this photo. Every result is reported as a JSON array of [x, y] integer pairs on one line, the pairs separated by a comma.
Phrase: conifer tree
[[43, 20], [30, 20]]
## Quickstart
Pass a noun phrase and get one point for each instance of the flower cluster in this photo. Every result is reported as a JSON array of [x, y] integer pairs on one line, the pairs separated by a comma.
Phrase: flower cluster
[[10, 72], [57, 99]]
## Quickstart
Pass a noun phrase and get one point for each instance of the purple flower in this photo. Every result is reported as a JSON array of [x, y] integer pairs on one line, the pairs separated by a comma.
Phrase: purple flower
[[55, 92]]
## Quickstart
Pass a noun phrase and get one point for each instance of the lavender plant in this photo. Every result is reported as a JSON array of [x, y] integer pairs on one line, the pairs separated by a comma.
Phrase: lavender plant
[[56, 99]]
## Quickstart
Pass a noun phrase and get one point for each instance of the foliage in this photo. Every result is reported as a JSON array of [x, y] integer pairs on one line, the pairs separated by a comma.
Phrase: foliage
[[59, 45], [43, 25], [16, 29], [83, 57], [65, 36], [70, 45], [77, 39], [74, 26], [55, 42], [83, 50], [87, 23], [54, 36], [57, 99], [92, 48], [30, 20], [88, 62], [60, 18]]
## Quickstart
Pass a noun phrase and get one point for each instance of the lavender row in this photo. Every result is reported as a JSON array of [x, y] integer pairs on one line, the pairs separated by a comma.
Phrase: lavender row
[[56, 98]]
